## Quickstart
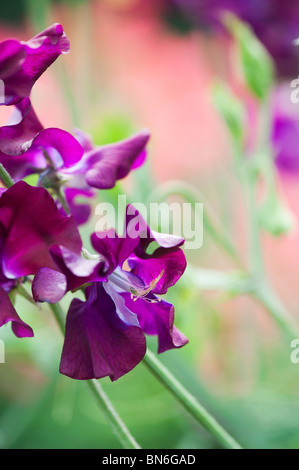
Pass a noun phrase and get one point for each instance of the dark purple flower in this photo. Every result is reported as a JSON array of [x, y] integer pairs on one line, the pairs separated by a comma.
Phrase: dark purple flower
[[22, 63], [30, 223], [105, 333], [275, 22]]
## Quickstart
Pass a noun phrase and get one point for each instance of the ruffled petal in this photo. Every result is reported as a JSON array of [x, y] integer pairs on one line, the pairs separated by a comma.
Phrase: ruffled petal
[[77, 269], [84, 139], [31, 224], [97, 342], [105, 165], [74, 271], [63, 149], [162, 269], [17, 136], [135, 222], [115, 249], [22, 63], [80, 212], [12, 54], [156, 318]]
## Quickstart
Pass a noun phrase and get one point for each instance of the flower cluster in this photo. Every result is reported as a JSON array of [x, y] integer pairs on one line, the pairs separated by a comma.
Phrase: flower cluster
[[40, 241]]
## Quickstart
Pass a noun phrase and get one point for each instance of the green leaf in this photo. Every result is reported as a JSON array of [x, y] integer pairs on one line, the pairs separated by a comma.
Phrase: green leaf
[[256, 62]]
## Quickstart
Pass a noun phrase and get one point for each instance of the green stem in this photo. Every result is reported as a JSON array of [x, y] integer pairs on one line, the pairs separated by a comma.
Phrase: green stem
[[115, 421], [255, 252], [5, 177], [112, 416], [58, 193], [234, 282], [262, 289], [59, 316], [189, 402]]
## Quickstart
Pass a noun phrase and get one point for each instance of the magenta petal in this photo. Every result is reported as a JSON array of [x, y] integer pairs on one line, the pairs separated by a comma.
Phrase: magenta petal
[[21, 155], [62, 147], [84, 139], [139, 160], [12, 53], [77, 270], [97, 342], [147, 235], [74, 262], [115, 249], [166, 266], [80, 212], [21, 65], [105, 165], [156, 318], [31, 224], [20, 166], [284, 140], [54, 37], [16, 137], [166, 240], [9, 314], [49, 286]]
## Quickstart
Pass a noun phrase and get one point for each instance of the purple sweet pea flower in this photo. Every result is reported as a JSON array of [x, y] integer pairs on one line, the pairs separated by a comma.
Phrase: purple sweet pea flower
[[275, 22], [22, 63], [105, 333], [30, 223], [285, 131]]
